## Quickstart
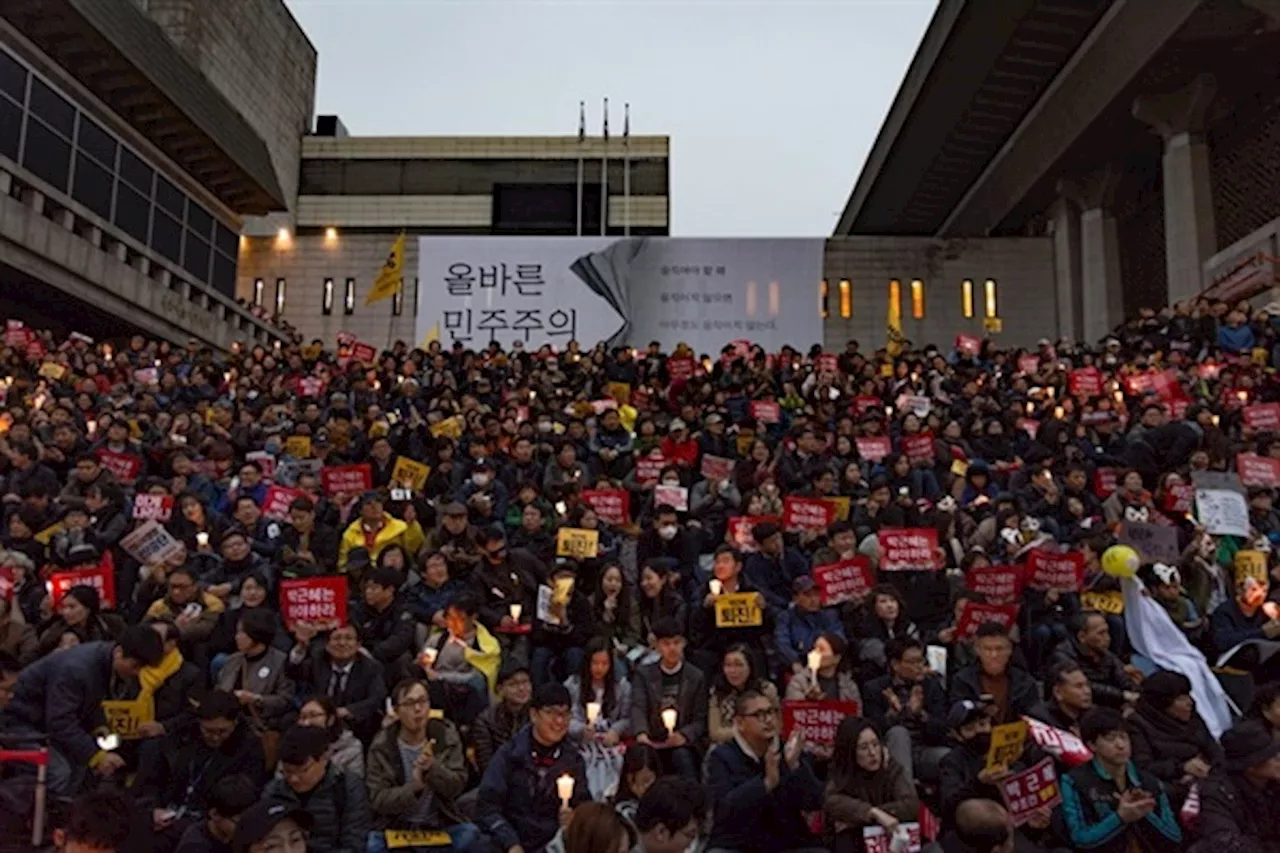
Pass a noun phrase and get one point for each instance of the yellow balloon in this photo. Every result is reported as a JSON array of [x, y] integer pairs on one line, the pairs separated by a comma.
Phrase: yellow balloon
[[1121, 561]]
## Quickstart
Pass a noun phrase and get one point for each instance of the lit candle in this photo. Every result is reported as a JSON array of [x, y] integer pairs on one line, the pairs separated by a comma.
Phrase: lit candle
[[1243, 395], [48, 588], [1031, 407], [669, 717], [815, 661], [1119, 396], [91, 426], [429, 655], [564, 787], [888, 410], [1215, 420], [716, 586], [226, 377], [202, 539], [1271, 609], [1051, 392], [515, 612], [1058, 412], [593, 712], [109, 742]]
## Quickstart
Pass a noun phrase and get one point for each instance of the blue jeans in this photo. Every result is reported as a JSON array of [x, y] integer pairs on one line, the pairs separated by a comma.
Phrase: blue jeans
[[544, 664], [462, 837]]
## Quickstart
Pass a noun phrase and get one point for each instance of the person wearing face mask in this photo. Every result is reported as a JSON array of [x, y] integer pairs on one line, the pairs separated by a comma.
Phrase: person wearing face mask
[[666, 539], [483, 493]]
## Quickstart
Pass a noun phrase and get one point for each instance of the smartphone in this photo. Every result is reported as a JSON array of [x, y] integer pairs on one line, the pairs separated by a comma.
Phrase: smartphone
[[401, 495]]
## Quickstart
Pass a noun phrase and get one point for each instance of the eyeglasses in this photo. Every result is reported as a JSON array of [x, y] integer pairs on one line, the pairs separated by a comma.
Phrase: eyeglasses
[[560, 714], [763, 714], [420, 702]]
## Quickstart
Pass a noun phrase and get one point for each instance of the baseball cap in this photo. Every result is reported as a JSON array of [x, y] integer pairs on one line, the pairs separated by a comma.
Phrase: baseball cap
[[804, 583], [256, 823], [676, 425], [962, 712]]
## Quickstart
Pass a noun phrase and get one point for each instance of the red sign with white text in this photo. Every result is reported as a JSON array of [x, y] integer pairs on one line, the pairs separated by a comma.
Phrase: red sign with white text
[[918, 448], [321, 600], [649, 468], [765, 412], [102, 579], [347, 479], [1263, 417], [125, 467], [275, 505], [1032, 790], [848, 580], [974, 614], [999, 584], [873, 448], [813, 514], [818, 720], [908, 549], [1257, 470], [1084, 382], [740, 531], [1063, 572], [968, 344], [612, 506], [1104, 482]]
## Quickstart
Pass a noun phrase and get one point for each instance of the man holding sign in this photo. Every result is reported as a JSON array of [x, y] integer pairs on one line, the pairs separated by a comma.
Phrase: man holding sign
[[732, 612]]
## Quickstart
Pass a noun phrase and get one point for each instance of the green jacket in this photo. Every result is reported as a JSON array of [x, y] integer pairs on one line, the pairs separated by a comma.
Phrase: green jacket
[[391, 794]]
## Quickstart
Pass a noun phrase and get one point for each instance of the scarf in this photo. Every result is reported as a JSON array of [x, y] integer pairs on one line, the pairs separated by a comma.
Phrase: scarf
[[151, 678]]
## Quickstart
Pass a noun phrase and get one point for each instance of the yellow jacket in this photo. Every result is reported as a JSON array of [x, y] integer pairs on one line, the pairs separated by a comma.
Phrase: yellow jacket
[[394, 532]]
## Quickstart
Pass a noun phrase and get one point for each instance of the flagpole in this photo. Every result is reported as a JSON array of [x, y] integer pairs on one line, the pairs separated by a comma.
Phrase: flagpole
[[582, 140], [604, 175], [626, 170]]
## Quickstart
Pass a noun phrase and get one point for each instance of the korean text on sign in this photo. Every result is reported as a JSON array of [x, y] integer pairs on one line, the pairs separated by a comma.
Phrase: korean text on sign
[[1033, 789], [125, 716], [876, 840], [612, 506], [818, 721], [152, 507], [151, 543], [811, 514], [908, 549], [1007, 742], [739, 610], [848, 580], [577, 543], [351, 479], [973, 614], [101, 579], [410, 474], [320, 600], [1047, 570], [999, 584]]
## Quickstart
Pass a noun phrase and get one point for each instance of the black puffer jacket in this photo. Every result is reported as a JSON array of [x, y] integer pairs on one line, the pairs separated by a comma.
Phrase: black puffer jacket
[[1162, 745], [1237, 816]]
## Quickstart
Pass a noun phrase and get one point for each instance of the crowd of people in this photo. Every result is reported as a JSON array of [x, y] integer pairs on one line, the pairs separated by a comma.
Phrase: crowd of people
[[328, 598]]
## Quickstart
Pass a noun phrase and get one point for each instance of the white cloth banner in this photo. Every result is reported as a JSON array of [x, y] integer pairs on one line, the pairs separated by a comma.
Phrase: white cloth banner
[[550, 290]]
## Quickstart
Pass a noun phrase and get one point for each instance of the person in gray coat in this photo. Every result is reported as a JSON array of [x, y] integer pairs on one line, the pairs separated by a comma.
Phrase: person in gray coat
[[256, 673]]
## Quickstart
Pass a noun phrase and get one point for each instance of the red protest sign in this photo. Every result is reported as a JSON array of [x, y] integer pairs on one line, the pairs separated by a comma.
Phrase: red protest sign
[[275, 505], [1029, 426], [828, 363], [875, 839], [1049, 570], [1084, 382], [918, 448], [968, 344], [716, 467], [1179, 498], [649, 468], [310, 386], [102, 579], [364, 353], [1263, 417], [1257, 470], [680, 369], [6, 583], [740, 530], [349, 479], [612, 506], [974, 614], [873, 448], [125, 467], [818, 720], [1139, 384], [848, 580], [321, 600], [153, 507], [1104, 482], [1028, 363], [999, 584], [1062, 745], [765, 412], [812, 514], [862, 405], [908, 549], [676, 497], [1031, 790]]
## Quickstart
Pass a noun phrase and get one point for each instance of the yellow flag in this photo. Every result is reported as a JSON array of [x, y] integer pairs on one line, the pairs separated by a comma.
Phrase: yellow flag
[[391, 277], [433, 335], [895, 337]]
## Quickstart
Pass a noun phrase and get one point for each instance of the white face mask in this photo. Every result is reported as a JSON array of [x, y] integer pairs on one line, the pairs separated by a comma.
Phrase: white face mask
[[670, 482], [544, 426], [480, 479], [667, 532]]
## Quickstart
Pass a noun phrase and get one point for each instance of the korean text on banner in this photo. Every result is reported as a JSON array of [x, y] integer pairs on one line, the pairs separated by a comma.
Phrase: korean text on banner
[[740, 527], [577, 543], [1156, 543], [1257, 470], [998, 584], [716, 467], [1062, 745], [1220, 504], [1031, 790], [873, 448], [101, 579], [907, 549], [410, 474], [275, 505], [125, 716], [1007, 742], [319, 600], [973, 614], [876, 840], [818, 720], [649, 468], [348, 479], [152, 507], [739, 610], [612, 506], [812, 514], [676, 497], [847, 580], [151, 543], [1050, 570]]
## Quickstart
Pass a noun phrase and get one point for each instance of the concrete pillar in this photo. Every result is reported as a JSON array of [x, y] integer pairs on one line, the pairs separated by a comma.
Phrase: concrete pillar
[[94, 235], [142, 264], [1101, 288], [6, 183], [1190, 233], [121, 251], [1065, 225], [34, 199]]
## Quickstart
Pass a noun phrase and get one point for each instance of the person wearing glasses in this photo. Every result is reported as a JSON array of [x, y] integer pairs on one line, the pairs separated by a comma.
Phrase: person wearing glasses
[[866, 787], [520, 804], [335, 800], [505, 577], [759, 787], [416, 771], [334, 667]]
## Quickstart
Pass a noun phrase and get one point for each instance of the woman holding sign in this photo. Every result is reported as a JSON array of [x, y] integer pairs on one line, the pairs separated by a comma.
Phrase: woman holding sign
[[865, 787]]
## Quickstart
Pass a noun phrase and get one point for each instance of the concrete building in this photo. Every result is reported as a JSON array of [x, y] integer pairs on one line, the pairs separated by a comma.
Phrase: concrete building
[[1137, 140], [356, 194], [137, 138]]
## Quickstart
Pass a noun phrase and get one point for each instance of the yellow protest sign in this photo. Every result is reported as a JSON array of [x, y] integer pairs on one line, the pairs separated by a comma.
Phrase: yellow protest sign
[[744, 443], [739, 610], [135, 429], [1251, 564], [1104, 602], [399, 839], [577, 543], [1007, 742], [409, 473], [1260, 356], [44, 537], [620, 391], [298, 446], [959, 467], [841, 507], [51, 370], [886, 370], [448, 428], [312, 352], [125, 717]]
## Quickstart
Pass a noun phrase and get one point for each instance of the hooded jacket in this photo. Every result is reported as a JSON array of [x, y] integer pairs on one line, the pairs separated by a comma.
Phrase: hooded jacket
[[518, 803]]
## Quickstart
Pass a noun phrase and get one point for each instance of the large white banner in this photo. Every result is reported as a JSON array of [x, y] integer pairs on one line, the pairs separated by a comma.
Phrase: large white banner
[[550, 290]]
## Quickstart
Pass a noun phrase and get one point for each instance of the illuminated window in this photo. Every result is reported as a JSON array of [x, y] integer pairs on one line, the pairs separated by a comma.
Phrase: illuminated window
[[349, 298], [775, 299], [279, 296], [991, 298], [258, 284], [966, 297], [846, 298], [917, 299], [895, 298], [326, 303], [824, 299]]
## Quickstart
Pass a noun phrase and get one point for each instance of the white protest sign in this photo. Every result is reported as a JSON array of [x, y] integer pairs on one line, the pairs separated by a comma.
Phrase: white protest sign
[[1221, 506], [151, 543]]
